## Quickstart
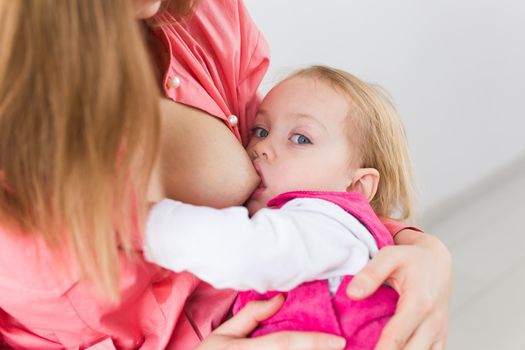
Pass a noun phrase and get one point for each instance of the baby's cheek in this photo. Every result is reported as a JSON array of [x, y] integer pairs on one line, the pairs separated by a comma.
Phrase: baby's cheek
[[284, 176], [294, 179]]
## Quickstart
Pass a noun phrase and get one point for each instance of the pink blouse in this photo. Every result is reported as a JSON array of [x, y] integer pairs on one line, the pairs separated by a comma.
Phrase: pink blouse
[[217, 58]]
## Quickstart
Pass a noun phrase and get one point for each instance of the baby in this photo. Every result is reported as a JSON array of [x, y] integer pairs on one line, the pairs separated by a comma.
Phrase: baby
[[321, 140]]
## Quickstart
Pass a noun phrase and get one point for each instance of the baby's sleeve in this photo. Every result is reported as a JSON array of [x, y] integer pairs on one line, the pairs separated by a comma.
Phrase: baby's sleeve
[[276, 249]]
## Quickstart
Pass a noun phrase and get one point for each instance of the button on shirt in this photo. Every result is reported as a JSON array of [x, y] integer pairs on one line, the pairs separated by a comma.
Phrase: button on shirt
[[233, 120], [173, 82], [217, 61], [217, 58]]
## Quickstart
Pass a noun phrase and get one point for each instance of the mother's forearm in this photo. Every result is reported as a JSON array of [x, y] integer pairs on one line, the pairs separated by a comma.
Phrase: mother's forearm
[[424, 240], [408, 236]]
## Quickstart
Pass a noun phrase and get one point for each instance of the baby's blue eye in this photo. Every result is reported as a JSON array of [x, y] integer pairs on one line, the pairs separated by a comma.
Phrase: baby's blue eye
[[260, 132], [300, 139]]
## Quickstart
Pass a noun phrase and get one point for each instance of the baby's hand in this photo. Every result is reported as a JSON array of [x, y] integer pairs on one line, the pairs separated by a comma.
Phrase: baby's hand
[[150, 206]]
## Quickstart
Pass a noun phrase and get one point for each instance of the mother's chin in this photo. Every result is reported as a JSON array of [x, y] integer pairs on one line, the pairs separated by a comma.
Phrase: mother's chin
[[146, 8]]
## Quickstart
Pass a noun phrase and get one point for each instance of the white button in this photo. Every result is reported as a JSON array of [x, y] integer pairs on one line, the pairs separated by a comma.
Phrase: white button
[[174, 82], [233, 120]]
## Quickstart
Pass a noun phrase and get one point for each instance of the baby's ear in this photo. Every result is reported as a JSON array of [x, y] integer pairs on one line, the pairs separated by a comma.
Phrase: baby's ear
[[365, 181]]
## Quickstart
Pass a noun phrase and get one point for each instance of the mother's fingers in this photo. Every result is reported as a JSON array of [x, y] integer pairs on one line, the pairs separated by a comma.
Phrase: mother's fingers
[[291, 341], [430, 335], [439, 345], [375, 273], [231, 335], [409, 315], [249, 317]]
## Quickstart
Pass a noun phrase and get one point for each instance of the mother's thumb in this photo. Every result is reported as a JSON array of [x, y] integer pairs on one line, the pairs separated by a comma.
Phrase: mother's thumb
[[249, 317], [372, 276]]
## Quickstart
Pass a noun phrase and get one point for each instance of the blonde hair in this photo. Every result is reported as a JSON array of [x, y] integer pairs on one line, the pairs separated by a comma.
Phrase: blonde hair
[[79, 122], [379, 135]]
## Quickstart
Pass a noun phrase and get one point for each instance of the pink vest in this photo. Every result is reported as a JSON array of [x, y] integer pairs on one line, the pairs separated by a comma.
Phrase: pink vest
[[310, 307], [354, 203]]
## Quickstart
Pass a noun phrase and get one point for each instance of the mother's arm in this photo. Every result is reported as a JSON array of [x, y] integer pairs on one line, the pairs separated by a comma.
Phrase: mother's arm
[[201, 162], [419, 268]]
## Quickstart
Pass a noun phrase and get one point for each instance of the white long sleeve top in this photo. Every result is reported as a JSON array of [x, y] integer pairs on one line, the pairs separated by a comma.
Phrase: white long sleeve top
[[276, 249]]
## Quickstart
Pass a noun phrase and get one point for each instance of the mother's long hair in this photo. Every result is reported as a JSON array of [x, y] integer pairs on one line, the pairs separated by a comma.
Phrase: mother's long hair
[[79, 125]]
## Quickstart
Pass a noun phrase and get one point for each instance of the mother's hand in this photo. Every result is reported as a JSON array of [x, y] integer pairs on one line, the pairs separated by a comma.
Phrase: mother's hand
[[232, 334], [420, 270]]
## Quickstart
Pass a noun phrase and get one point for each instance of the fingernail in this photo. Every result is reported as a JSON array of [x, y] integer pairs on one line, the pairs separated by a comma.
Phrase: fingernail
[[355, 291], [337, 343], [277, 296]]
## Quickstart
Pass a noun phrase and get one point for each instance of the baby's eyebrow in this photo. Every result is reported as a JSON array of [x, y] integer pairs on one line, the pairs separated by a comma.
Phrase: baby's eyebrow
[[262, 112], [312, 118]]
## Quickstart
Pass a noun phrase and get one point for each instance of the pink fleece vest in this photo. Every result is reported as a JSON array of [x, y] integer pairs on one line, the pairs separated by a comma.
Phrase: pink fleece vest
[[310, 307]]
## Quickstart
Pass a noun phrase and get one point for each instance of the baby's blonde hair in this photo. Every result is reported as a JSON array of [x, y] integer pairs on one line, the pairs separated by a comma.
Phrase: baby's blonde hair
[[378, 133]]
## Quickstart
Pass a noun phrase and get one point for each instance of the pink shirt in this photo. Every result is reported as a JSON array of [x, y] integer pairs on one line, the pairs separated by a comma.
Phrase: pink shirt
[[219, 58], [216, 60]]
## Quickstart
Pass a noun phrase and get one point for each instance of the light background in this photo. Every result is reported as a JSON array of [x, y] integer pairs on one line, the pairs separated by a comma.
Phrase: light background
[[456, 70]]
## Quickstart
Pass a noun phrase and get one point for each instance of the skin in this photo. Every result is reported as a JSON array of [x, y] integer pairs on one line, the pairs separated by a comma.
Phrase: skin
[[299, 142], [410, 267], [421, 318], [185, 174], [146, 8], [233, 333]]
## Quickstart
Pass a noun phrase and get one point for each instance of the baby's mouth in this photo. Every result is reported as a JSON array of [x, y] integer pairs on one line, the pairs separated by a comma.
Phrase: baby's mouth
[[261, 185], [259, 172]]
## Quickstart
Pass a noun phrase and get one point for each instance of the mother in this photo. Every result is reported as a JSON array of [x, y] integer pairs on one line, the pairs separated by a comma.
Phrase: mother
[[78, 124]]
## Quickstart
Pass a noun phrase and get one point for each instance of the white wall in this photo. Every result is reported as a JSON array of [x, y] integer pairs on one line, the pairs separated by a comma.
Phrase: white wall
[[456, 70]]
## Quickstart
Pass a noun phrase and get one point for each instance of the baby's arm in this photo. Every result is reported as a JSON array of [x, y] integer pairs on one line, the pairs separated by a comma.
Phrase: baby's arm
[[307, 239]]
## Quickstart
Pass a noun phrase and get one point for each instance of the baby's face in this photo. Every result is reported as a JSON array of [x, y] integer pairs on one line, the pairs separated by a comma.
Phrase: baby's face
[[300, 141]]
